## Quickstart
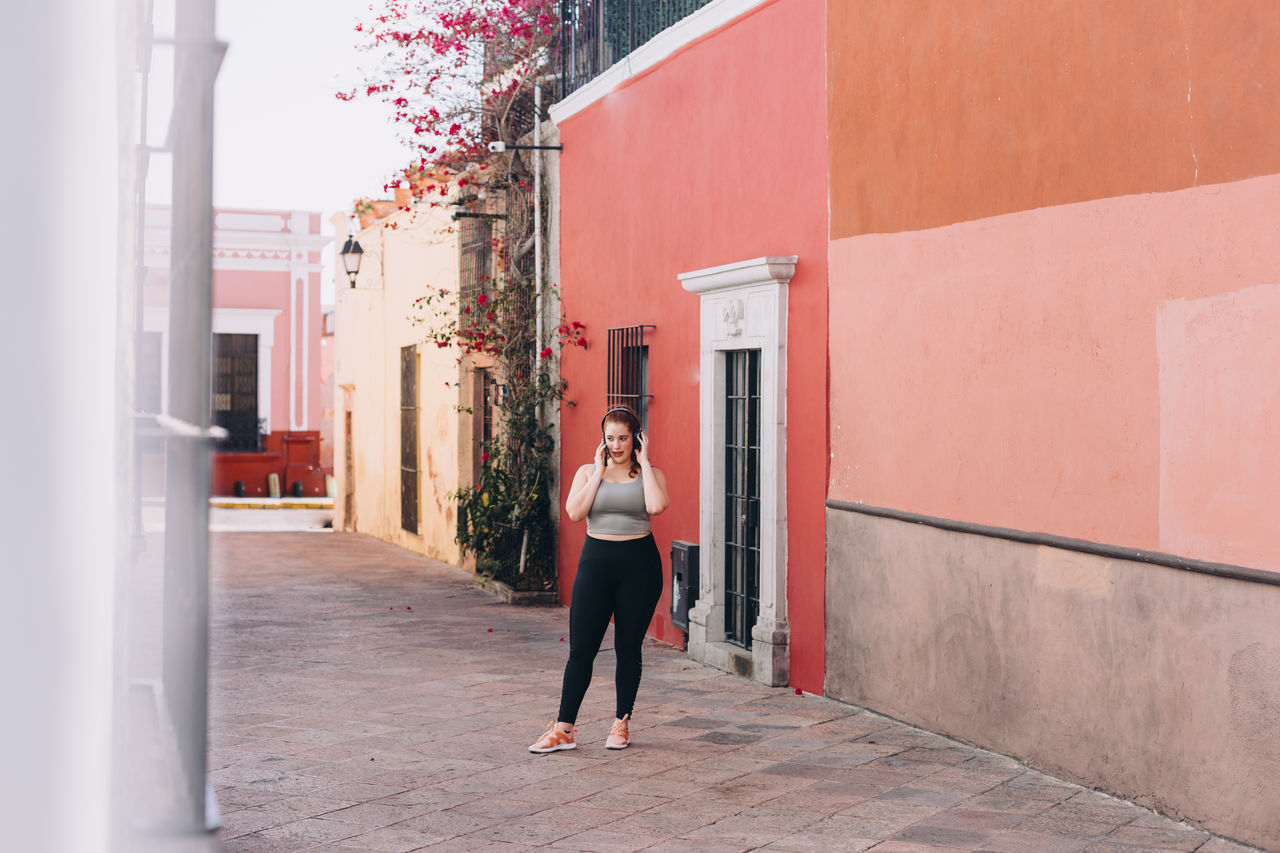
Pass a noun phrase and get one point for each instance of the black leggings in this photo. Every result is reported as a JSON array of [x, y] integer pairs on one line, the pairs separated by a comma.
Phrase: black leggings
[[618, 579]]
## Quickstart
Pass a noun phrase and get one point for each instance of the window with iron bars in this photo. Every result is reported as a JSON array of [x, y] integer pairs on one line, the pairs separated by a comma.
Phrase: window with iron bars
[[235, 392], [628, 371], [477, 252], [409, 438], [594, 34]]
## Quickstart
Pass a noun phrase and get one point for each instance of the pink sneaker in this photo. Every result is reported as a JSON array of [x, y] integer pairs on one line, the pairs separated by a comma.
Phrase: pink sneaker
[[555, 739], [619, 736]]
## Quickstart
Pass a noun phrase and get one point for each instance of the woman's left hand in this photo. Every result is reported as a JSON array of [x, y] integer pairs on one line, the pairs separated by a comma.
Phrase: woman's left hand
[[642, 447]]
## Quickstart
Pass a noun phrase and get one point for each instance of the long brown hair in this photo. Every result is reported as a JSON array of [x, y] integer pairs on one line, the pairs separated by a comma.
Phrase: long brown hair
[[627, 418]]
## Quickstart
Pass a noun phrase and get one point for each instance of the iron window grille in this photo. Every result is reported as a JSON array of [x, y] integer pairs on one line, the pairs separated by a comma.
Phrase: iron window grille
[[628, 371], [235, 392], [477, 252], [594, 34]]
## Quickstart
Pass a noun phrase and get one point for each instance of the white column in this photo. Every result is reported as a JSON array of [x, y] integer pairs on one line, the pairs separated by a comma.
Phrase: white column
[[299, 224]]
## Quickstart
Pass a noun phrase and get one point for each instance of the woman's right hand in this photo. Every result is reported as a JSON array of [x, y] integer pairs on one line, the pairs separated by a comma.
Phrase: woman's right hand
[[599, 460]]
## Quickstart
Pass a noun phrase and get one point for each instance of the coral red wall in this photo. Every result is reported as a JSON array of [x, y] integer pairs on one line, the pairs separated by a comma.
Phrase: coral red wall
[[716, 155]]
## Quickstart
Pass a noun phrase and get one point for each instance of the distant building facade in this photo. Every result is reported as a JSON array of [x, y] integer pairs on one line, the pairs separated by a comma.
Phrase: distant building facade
[[266, 348], [402, 447]]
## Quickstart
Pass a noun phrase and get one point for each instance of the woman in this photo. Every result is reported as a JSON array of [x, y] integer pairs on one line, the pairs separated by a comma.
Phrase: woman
[[619, 572]]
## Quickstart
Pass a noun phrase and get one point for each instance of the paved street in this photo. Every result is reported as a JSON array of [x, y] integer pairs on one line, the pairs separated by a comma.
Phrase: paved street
[[364, 698]]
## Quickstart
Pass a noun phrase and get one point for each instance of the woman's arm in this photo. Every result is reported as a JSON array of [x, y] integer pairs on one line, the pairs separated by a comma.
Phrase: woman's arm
[[655, 482], [655, 490], [583, 491]]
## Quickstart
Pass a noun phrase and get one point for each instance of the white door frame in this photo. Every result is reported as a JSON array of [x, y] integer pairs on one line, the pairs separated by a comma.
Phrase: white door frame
[[743, 306]]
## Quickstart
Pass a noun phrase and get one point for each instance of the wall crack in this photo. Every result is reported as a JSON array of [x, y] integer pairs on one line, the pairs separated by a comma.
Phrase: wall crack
[[1186, 37]]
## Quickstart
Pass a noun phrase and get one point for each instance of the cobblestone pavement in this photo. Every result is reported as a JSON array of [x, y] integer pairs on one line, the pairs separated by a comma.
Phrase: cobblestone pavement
[[364, 698]]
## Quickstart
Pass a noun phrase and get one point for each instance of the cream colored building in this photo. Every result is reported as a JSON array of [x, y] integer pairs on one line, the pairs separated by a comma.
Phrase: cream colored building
[[398, 433]]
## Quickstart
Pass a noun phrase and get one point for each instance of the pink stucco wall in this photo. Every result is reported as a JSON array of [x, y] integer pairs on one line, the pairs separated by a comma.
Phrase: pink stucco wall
[[1097, 370], [1219, 359], [297, 297]]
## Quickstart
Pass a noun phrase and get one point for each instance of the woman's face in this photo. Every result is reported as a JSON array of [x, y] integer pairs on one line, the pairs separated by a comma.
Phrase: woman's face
[[617, 441]]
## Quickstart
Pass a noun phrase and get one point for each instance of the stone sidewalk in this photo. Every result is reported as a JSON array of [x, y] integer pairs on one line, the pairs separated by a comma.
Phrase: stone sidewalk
[[364, 698]]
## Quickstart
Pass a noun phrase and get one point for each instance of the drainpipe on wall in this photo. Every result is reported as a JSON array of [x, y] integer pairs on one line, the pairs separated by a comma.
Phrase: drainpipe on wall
[[537, 221]]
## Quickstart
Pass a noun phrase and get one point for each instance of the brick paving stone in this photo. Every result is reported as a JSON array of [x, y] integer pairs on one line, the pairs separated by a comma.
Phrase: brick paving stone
[[451, 823], [607, 841], [1222, 845], [898, 846], [245, 796], [1157, 838], [471, 845], [941, 836], [808, 841], [391, 839], [962, 779], [334, 710], [998, 800], [1021, 841], [315, 830], [377, 814], [975, 820], [681, 845], [923, 797], [675, 819], [257, 843]]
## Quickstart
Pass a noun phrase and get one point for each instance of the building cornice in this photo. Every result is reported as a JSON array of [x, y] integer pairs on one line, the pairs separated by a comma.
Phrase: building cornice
[[767, 270], [675, 37]]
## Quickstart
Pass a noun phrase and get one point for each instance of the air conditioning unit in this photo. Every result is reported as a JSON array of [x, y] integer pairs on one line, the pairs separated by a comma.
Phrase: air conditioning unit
[[684, 581]]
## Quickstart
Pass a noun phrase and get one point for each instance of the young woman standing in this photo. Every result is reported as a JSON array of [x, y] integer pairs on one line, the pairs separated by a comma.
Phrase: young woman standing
[[619, 572]]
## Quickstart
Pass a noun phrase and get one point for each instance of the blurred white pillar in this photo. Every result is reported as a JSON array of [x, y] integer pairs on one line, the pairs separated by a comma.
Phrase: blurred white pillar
[[58, 531]]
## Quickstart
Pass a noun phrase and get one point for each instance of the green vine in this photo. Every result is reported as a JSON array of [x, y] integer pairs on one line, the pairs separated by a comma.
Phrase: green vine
[[504, 519]]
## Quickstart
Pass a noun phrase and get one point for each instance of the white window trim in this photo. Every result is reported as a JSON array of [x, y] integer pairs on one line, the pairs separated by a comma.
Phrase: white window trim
[[743, 306], [226, 321], [253, 321]]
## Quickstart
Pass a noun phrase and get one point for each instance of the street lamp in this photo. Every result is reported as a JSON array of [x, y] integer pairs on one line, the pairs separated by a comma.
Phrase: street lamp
[[351, 255]]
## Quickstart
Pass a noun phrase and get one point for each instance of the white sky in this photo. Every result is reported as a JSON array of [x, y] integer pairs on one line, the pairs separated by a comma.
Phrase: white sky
[[282, 140]]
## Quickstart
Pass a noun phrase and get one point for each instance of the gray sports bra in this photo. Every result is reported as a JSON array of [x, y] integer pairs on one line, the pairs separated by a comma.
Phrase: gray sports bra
[[618, 509]]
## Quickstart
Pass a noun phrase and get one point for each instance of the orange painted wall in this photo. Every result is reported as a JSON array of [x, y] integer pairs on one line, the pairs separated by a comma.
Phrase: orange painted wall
[[951, 110], [1019, 194], [716, 155]]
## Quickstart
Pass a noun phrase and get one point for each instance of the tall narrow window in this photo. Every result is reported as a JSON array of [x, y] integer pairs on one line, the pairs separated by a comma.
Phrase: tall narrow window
[[409, 438], [742, 494], [235, 391], [484, 402], [628, 371], [349, 462]]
